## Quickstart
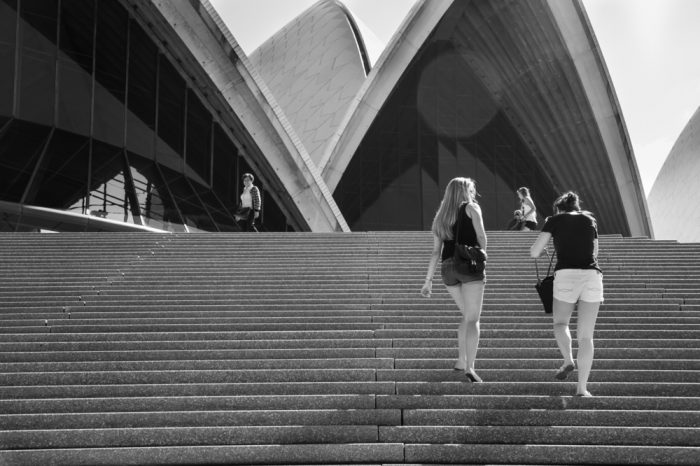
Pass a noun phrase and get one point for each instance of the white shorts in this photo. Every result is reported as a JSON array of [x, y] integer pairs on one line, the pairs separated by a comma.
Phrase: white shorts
[[570, 285]]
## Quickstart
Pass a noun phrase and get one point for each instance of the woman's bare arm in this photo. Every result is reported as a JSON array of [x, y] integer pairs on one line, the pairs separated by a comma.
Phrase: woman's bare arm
[[474, 211], [540, 244], [432, 265]]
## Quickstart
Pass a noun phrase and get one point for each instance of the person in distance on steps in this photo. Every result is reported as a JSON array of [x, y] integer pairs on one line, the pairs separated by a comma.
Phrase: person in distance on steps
[[577, 279], [527, 210], [466, 290], [249, 206]]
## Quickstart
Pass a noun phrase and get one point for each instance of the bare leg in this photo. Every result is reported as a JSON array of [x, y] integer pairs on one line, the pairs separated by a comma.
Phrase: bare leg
[[587, 315], [469, 298], [456, 293], [562, 315], [473, 295]]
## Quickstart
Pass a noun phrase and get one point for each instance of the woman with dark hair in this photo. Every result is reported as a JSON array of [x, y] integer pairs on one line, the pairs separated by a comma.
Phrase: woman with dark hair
[[527, 210], [577, 279], [459, 206], [249, 206]]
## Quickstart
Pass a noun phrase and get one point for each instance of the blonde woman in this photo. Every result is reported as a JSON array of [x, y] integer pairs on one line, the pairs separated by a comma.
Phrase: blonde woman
[[467, 290], [527, 209]]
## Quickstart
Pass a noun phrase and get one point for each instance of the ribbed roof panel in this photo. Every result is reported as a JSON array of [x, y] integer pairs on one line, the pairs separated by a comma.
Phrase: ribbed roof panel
[[314, 66], [673, 203]]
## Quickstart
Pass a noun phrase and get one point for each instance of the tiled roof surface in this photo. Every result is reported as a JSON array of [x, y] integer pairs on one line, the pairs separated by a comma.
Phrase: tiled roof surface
[[313, 67], [673, 203]]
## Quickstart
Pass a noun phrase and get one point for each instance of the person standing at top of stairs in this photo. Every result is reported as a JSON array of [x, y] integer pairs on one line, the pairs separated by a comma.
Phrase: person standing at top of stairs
[[466, 289], [249, 207], [577, 279]]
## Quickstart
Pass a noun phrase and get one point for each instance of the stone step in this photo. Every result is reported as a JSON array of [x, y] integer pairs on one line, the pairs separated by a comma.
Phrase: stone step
[[366, 453], [145, 348], [382, 330], [643, 357], [353, 417], [329, 374], [299, 340], [490, 315], [368, 401], [77, 364], [467, 453], [233, 300], [310, 417], [543, 435], [551, 388], [203, 308], [485, 401], [347, 387], [199, 435]]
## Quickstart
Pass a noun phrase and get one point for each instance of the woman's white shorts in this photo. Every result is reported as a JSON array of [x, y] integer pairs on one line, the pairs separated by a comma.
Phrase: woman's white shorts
[[570, 285]]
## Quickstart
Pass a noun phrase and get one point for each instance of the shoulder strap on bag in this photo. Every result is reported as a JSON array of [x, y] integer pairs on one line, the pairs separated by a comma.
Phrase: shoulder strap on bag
[[551, 258]]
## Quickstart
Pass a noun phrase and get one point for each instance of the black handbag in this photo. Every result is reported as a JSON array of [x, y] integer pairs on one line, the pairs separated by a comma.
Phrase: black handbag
[[545, 287], [467, 259]]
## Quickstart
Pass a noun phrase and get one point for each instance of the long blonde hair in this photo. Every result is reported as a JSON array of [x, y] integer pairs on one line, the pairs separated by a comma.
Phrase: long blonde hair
[[458, 190]]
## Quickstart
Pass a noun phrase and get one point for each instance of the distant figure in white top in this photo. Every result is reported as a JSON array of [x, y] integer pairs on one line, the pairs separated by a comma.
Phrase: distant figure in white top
[[249, 207], [529, 212]]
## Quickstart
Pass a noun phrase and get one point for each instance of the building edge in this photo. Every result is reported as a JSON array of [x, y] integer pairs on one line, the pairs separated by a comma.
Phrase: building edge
[[266, 132], [588, 59], [398, 54]]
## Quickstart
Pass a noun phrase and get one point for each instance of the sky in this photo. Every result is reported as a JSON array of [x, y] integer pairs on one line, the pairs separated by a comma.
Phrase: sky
[[650, 47]]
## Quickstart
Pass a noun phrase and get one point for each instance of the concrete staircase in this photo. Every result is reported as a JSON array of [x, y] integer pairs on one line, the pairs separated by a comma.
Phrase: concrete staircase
[[131, 348]]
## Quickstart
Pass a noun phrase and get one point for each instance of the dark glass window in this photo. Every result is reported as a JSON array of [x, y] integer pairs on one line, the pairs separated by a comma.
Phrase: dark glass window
[[20, 148], [141, 115], [199, 121], [74, 98], [76, 35], [8, 28], [190, 206], [222, 217], [38, 64], [171, 109], [225, 168], [61, 180], [155, 202], [110, 73], [75, 65], [108, 197]]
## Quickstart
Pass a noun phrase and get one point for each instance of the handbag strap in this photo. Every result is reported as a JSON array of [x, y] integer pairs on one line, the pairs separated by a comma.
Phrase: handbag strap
[[537, 270]]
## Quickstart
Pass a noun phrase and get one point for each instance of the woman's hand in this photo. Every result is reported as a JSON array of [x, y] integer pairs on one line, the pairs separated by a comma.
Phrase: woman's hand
[[427, 288]]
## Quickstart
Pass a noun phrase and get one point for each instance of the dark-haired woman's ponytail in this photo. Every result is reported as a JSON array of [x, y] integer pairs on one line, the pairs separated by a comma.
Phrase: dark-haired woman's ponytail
[[567, 202]]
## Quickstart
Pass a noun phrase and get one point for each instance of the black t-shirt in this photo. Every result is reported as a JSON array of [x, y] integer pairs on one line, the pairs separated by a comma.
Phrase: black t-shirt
[[574, 234], [466, 235]]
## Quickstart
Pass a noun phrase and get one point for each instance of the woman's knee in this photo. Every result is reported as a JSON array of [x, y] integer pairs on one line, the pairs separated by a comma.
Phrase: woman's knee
[[471, 319], [560, 324]]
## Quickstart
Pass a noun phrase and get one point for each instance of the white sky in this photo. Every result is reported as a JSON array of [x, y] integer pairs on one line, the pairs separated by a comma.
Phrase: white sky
[[651, 48]]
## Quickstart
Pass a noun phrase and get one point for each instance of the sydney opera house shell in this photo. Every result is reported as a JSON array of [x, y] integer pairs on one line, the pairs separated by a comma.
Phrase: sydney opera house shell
[[672, 200], [143, 114]]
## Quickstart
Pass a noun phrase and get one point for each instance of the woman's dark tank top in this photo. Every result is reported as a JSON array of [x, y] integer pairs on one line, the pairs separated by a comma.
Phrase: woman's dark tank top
[[467, 234]]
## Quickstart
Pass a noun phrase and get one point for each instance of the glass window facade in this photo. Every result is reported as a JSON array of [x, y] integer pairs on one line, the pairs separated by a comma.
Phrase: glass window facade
[[95, 119]]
